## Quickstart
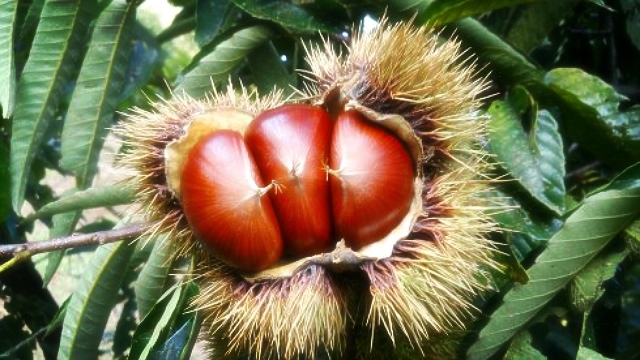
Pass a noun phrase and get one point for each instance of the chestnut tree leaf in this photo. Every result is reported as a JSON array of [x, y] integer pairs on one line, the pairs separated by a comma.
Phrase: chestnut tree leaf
[[537, 165], [163, 319], [585, 353], [524, 232], [493, 52], [5, 178], [599, 218], [110, 195], [442, 12], [96, 96], [210, 17], [92, 301], [292, 15], [215, 66], [63, 225], [181, 341], [589, 109], [154, 276], [268, 70], [58, 43], [631, 11], [522, 348], [535, 21], [8, 10], [586, 287], [632, 234]]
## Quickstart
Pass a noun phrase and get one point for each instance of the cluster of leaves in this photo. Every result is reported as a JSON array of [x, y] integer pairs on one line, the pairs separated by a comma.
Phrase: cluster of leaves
[[563, 127]]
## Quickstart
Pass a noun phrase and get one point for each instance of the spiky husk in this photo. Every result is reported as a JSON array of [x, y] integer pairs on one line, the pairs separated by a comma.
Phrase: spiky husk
[[273, 319], [425, 286]]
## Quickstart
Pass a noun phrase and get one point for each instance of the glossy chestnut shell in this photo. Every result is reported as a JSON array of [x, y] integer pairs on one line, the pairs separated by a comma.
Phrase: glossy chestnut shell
[[296, 181]]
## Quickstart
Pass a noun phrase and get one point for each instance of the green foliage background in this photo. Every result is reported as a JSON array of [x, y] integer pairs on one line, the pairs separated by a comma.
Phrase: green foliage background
[[564, 126]]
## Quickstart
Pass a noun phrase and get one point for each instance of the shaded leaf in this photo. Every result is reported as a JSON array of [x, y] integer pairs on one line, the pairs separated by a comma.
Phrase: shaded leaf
[[110, 195], [209, 19], [632, 11], [442, 12], [181, 342], [92, 302], [585, 353], [12, 328], [5, 178], [586, 287], [600, 217], [8, 10], [538, 166], [510, 65], [288, 14], [127, 321], [629, 330], [268, 70], [27, 33], [522, 348], [216, 66], [58, 319], [157, 326], [57, 45], [632, 233], [536, 21], [524, 233], [154, 276], [96, 95]]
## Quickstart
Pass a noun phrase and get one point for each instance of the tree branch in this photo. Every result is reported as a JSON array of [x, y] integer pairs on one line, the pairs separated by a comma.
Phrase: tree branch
[[76, 240]]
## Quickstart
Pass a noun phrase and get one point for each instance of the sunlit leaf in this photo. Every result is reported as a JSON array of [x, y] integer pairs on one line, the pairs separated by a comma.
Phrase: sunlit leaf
[[58, 43], [7, 61], [589, 228], [104, 196], [92, 302], [216, 66], [590, 109], [63, 225], [58, 319], [538, 166], [154, 276], [95, 98]]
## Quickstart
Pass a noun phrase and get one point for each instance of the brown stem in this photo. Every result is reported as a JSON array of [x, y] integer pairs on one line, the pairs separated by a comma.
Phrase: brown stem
[[76, 240]]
